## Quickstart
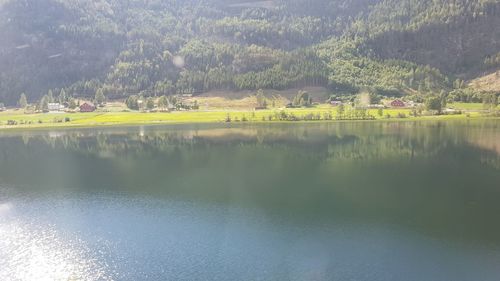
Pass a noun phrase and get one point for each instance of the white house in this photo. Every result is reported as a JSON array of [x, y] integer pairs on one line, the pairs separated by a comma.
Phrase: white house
[[55, 106]]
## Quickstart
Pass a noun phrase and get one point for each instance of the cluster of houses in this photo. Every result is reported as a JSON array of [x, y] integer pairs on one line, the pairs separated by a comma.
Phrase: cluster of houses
[[84, 107]]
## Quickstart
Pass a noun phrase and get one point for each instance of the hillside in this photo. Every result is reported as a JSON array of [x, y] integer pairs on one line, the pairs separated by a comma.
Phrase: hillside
[[153, 47], [490, 82], [453, 36]]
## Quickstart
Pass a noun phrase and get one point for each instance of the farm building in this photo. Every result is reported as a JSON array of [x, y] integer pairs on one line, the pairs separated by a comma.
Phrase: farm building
[[87, 107], [397, 103], [55, 106]]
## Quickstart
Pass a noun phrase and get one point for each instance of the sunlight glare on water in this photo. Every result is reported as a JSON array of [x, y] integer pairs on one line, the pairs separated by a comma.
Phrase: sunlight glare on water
[[29, 251]]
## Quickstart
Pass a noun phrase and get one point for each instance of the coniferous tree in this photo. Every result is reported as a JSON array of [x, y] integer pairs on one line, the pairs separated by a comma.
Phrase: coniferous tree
[[99, 97], [23, 101]]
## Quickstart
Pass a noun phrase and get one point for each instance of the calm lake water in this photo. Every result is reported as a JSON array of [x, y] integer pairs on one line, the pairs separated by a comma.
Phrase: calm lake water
[[345, 201]]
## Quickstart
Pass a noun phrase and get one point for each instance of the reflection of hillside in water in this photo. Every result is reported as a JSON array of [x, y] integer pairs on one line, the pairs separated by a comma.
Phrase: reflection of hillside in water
[[375, 141]]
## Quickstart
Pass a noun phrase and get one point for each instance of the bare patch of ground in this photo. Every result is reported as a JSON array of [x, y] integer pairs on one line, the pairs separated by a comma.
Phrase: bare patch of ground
[[320, 94], [246, 99], [490, 82]]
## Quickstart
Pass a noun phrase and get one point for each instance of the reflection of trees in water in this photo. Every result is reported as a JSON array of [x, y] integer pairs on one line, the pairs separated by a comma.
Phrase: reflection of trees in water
[[345, 141]]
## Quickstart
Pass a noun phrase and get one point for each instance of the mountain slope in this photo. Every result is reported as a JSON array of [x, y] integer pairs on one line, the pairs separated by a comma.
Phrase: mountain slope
[[155, 47], [454, 37]]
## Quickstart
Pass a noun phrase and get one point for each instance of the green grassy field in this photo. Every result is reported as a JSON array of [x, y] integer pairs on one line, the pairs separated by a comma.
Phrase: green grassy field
[[46, 120], [467, 106]]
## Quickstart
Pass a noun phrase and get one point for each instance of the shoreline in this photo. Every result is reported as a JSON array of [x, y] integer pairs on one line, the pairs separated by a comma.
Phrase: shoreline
[[92, 120]]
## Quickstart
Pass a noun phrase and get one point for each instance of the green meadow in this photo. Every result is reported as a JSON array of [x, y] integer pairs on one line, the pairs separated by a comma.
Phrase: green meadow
[[17, 119], [468, 106]]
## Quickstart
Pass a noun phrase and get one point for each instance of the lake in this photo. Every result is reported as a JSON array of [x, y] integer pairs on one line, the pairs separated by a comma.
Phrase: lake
[[316, 201]]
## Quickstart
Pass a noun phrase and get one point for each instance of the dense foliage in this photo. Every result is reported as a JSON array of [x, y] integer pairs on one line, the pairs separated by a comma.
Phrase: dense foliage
[[120, 48]]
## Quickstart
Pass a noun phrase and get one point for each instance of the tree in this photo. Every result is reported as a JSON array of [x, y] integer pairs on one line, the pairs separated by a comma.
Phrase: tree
[[164, 88], [173, 101], [493, 100], [50, 97], [340, 111], [44, 103], [375, 98], [458, 84], [490, 101], [99, 97], [443, 96], [62, 96], [23, 102], [261, 99], [72, 104], [150, 103], [302, 99], [380, 112], [132, 102], [163, 102], [434, 103], [420, 88]]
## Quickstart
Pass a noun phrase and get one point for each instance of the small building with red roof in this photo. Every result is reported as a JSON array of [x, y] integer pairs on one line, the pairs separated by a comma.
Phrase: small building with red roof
[[397, 103], [87, 107]]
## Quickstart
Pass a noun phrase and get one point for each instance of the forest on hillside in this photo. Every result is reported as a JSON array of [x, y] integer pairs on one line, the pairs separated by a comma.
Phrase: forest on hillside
[[167, 47]]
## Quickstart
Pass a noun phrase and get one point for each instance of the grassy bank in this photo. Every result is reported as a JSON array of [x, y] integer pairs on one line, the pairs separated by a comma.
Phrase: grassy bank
[[47, 120]]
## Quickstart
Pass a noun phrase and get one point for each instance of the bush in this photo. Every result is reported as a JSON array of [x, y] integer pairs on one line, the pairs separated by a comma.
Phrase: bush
[[292, 117], [309, 117], [494, 114], [283, 116]]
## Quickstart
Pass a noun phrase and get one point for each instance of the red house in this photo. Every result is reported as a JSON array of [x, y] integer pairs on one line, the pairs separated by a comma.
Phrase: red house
[[397, 103], [87, 107]]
